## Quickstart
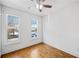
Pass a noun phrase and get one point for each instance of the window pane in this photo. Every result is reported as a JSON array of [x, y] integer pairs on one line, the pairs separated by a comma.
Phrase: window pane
[[13, 27], [34, 27]]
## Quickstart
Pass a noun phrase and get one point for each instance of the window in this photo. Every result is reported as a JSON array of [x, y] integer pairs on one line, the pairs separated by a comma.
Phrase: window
[[13, 27], [34, 27]]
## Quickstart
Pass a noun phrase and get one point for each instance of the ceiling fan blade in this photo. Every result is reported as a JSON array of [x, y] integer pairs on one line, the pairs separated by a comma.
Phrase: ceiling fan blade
[[47, 6]]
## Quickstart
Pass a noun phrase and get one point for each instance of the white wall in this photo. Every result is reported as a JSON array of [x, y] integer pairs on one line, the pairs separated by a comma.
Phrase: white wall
[[61, 29], [25, 31], [0, 30]]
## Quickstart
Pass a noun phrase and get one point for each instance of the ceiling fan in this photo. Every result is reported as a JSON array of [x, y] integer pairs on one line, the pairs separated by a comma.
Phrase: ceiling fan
[[40, 5]]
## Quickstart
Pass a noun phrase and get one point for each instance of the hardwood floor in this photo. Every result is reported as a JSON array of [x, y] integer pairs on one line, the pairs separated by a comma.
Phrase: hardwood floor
[[38, 51]]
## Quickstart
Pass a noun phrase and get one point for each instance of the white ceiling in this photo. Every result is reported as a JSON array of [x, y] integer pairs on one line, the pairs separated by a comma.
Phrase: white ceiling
[[25, 4]]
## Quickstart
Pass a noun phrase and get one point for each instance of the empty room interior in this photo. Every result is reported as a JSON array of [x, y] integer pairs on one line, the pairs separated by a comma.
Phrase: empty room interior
[[39, 28]]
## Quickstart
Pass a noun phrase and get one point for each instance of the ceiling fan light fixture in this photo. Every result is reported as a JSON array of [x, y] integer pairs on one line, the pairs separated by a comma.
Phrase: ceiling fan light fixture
[[39, 6]]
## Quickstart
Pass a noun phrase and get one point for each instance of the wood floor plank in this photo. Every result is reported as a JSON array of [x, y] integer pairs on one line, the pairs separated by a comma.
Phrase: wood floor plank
[[38, 51]]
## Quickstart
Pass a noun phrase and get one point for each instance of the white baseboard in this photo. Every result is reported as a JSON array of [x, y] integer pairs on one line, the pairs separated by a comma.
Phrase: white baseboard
[[72, 53]]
